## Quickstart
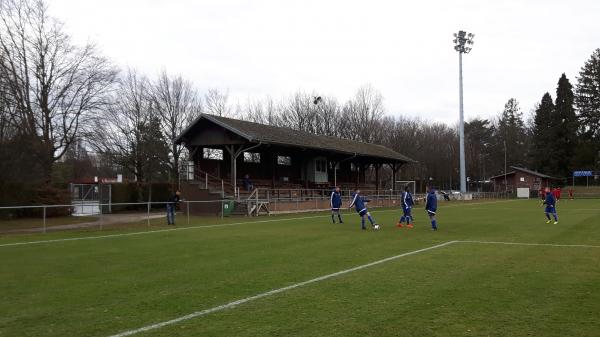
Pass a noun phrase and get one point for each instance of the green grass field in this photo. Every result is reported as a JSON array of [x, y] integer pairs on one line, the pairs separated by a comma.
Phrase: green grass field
[[119, 283]]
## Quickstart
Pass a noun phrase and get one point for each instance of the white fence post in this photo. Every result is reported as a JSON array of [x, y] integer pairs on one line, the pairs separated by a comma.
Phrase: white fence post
[[148, 217], [188, 212], [44, 219]]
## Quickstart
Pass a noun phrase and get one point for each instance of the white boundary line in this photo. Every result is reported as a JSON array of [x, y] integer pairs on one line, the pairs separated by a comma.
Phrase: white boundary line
[[527, 244], [325, 277], [153, 231], [25, 243], [274, 291]]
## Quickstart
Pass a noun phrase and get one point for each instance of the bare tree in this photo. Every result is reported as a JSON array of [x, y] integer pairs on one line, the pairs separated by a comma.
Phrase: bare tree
[[300, 113], [263, 112], [119, 133], [6, 123], [327, 116], [52, 84], [363, 112], [177, 104], [217, 103]]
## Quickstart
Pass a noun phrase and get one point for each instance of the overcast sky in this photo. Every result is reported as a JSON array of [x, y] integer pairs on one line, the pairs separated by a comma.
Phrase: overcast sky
[[273, 48]]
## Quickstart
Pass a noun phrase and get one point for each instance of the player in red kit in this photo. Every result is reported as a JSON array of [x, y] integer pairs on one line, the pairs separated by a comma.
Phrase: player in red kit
[[571, 192]]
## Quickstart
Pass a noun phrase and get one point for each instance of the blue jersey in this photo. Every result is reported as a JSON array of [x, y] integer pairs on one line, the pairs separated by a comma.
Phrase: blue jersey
[[550, 201], [336, 200], [407, 200], [431, 204], [358, 202]]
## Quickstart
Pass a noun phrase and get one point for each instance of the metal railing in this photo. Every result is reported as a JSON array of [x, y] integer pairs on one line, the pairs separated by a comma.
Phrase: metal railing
[[134, 212], [126, 213]]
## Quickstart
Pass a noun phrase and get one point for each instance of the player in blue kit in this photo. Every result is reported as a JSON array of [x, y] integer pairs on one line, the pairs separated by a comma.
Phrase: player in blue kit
[[407, 204], [359, 204], [431, 206], [336, 203], [550, 203]]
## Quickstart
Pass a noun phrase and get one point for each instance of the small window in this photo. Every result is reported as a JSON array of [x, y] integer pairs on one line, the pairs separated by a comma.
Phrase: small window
[[251, 157], [284, 160], [212, 154], [522, 179], [353, 167]]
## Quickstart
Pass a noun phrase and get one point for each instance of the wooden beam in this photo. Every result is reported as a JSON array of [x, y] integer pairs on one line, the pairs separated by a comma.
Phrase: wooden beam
[[334, 168], [233, 154], [394, 170], [377, 167], [273, 160]]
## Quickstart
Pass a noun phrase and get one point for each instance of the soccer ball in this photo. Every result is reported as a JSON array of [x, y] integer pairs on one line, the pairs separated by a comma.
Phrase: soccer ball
[[376, 227]]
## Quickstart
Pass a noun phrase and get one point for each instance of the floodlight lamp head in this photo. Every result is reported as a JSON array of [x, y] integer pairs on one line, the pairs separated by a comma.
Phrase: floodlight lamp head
[[462, 40]]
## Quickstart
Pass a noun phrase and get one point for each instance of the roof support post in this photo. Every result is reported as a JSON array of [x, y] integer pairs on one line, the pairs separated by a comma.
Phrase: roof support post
[[334, 165], [273, 161], [394, 168], [234, 152], [363, 177], [357, 170], [377, 167]]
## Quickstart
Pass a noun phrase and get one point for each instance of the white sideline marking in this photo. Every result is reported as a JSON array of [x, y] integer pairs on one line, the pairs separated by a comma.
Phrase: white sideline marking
[[325, 277], [207, 226], [273, 292], [153, 231], [527, 244]]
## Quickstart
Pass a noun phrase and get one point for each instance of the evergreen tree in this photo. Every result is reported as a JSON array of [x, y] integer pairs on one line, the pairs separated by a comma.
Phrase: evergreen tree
[[588, 96], [587, 99], [511, 132], [564, 127], [154, 151], [542, 134], [478, 136]]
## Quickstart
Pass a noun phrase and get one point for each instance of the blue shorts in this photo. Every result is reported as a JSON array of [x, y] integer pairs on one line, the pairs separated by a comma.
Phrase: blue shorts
[[407, 211], [430, 213], [335, 209], [363, 211], [550, 209]]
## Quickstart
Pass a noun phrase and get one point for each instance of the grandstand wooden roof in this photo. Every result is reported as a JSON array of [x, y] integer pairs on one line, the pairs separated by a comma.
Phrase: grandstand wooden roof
[[268, 134]]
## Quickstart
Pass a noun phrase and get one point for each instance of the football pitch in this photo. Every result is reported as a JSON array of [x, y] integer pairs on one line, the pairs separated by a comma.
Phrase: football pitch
[[494, 268]]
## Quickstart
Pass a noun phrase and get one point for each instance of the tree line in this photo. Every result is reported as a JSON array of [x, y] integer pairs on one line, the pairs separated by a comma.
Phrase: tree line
[[66, 112]]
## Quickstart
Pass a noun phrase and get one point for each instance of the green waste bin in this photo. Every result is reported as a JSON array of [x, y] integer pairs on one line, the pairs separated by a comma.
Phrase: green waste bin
[[227, 207]]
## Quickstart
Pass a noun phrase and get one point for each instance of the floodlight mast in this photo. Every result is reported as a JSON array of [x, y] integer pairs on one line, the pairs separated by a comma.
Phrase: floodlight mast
[[462, 44]]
